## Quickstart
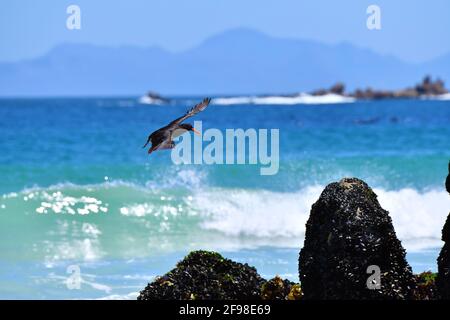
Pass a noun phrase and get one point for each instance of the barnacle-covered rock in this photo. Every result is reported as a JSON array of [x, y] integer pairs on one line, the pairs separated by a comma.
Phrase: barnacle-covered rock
[[347, 232], [443, 278], [278, 289], [204, 275], [295, 293], [426, 286]]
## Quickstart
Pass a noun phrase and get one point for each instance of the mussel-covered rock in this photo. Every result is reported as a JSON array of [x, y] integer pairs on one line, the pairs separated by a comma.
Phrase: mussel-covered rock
[[349, 238], [443, 278], [426, 286], [204, 275], [279, 289]]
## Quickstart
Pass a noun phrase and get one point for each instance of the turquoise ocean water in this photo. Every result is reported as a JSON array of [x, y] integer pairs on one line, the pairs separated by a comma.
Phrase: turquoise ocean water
[[77, 189]]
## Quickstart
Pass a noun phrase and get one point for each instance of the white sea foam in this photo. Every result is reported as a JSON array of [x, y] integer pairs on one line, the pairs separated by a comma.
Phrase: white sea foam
[[150, 100], [233, 100], [81, 249], [128, 296], [57, 202], [418, 218], [445, 97], [216, 218], [85, 279], [302, 98], [271, 216]]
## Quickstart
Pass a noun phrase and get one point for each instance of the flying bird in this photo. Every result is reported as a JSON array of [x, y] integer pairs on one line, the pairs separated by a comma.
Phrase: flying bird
[[163, 137]]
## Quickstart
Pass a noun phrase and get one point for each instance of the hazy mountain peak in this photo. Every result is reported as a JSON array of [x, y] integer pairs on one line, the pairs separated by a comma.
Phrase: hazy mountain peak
[[237, 61]]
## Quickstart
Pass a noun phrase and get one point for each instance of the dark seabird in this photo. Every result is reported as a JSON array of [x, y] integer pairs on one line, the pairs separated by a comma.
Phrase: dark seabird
[[447, 181], [162, 138]]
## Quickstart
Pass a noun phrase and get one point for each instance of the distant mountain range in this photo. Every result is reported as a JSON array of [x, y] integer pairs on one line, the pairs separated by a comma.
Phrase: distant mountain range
[[239, 61]]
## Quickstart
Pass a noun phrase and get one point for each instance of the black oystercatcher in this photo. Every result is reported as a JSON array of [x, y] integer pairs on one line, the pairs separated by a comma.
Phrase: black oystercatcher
[[162, 138]]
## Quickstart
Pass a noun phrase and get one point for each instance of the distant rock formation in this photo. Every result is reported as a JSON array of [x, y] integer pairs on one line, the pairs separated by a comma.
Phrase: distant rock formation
[[204, 275], [443, 278], [338, 88], [154, 98], [347, 232], [426, 88]]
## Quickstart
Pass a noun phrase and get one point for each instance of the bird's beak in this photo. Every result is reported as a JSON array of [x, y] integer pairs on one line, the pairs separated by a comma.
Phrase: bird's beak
[[196, 132]]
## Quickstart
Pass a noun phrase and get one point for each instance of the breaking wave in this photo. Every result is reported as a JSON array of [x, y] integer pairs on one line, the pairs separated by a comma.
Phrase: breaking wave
[[442, 97], [302, 98], [125, 220]]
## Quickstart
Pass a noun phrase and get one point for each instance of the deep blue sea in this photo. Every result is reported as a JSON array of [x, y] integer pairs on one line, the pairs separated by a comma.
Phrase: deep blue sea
[[77, 189]]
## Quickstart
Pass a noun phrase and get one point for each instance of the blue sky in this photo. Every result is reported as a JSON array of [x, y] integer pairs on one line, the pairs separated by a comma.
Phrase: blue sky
[[415, 30]]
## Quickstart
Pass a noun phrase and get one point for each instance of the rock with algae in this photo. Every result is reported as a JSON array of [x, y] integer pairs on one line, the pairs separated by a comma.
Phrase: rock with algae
[[204, 275], [295, 293], [347, 232], [426, 286], [279, 289]]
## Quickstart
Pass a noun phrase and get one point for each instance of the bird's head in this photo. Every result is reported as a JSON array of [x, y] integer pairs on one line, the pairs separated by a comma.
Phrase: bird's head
[[188, 127]]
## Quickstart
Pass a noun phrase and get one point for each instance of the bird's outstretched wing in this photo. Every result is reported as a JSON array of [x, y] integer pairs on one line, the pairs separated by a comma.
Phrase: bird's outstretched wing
[[193, 111]]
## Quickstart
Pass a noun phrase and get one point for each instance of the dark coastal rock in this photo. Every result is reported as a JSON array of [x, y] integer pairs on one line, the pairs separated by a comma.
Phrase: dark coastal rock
[[443, 278], [427, 87], [204, 275], [347, 232], [156, 97], [426, 286], [279, 289], [443, 261], [337, 88]]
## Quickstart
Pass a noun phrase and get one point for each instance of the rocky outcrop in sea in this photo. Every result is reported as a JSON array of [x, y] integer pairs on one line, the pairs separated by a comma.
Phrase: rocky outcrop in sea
[[204, 275], [427, 88], [348, 237], [350, 251], [443, 261], [279, 289]]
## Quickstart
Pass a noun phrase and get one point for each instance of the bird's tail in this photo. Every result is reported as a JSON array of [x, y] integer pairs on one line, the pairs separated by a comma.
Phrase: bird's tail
[[148, 140]]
